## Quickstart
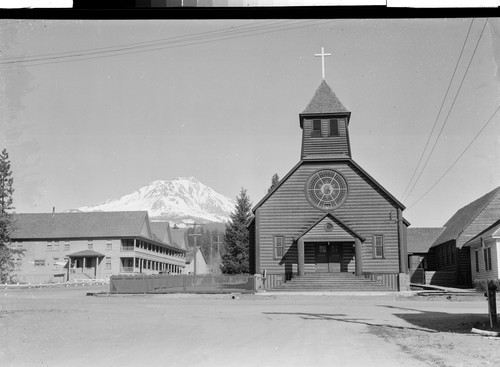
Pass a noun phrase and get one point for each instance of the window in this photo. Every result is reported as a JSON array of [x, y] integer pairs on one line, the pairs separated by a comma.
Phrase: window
[[108, 263], [66, 246], [90, 245], [55, 264], [477, 260], [378, 246], [49, 246], [487, 258], [334, 127], [109, 245], [278, 247], [56, 246], [316, 130], [40, 262]]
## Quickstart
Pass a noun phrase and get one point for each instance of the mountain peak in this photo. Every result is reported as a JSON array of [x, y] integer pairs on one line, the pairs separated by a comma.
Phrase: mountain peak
[[180, 200]]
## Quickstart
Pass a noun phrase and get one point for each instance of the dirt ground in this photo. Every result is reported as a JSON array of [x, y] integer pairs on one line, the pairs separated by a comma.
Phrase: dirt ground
[[65, 327]]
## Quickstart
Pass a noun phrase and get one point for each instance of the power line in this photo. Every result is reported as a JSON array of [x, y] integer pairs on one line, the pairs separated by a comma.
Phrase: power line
[[126, 46], [132, 50], [440, 109], [456, 160], [449, 111]]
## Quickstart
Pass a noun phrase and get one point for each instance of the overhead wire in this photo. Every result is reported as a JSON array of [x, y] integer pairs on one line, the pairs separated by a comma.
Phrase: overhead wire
[[458, 158], [440, 109], [449, 112], [125, 50]]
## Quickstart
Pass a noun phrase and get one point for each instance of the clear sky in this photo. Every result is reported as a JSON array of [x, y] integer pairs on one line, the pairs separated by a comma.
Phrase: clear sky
[[98, 109]]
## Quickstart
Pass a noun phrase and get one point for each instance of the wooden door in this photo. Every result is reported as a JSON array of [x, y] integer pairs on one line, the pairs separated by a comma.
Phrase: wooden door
[[334, 258], [322, 258]]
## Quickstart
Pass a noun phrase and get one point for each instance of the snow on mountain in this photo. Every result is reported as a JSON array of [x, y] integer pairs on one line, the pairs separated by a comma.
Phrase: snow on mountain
[[179, 201]]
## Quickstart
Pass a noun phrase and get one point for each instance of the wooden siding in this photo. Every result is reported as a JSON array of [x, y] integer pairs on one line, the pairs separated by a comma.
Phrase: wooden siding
[[487, 217], [325, 145], [484, 275], [367, 210]]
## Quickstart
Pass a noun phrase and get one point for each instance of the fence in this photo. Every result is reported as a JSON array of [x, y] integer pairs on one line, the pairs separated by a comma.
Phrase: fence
[[165, 283], [74, 283], [389, 280]]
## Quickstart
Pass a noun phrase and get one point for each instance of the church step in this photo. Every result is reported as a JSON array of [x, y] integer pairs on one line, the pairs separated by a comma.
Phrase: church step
[[330, 282]]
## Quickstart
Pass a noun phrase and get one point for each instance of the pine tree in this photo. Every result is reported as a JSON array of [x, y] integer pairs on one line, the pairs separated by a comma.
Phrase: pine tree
[[6, 221], [274, 182], [235, 259]]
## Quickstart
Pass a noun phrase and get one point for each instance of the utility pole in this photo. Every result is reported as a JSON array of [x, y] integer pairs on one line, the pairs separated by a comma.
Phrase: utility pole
[[195, 235], [218, 243]]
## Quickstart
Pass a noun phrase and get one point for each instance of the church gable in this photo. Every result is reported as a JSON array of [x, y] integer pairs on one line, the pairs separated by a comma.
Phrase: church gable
[[329, 228]]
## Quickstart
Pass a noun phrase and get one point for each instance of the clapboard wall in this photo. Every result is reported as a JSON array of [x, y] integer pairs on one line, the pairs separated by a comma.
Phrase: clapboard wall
[[367, 210]]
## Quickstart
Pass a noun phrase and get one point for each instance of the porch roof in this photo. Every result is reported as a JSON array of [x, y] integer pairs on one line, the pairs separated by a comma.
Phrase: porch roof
[[86, 253], [336, 220]]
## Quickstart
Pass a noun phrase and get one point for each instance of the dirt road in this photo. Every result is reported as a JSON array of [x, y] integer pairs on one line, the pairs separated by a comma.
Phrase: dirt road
[[64, 327]]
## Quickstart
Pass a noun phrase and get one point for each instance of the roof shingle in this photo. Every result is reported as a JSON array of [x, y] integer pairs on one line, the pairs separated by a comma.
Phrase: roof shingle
[[324, 101]]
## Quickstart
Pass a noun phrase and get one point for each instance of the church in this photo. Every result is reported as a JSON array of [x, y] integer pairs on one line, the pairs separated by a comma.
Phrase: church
[[328, 215]]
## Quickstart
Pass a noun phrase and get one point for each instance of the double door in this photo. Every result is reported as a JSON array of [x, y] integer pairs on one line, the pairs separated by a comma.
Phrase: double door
[[328, 257]]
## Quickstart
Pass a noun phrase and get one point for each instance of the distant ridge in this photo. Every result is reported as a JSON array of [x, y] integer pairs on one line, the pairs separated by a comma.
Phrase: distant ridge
[[182, 200]]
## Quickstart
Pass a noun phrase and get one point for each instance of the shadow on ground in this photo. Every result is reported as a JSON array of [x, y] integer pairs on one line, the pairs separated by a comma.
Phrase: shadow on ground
[[343, 318], [441, 321], [415, 319]]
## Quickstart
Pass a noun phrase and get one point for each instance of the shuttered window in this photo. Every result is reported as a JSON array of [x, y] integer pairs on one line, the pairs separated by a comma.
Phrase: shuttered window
[[378, 246], [278, 247], [477, 260], [487, 258], [316, 128], [334, 127]]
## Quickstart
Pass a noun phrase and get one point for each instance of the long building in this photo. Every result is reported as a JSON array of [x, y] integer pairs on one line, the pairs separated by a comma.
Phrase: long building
[[69, 246]]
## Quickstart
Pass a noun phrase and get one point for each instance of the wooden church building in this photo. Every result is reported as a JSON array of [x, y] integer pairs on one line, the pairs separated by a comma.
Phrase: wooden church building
[[328, 215]]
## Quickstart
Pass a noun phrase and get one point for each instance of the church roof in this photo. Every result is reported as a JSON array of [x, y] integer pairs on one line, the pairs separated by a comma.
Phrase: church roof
[[324, 101]]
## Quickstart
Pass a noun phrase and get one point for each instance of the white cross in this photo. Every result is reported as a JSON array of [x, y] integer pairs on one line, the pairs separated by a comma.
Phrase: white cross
[[322, 54]]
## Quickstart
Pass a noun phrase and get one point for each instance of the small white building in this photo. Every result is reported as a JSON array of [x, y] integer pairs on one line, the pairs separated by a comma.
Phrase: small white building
[[201, 267], [485, 254]]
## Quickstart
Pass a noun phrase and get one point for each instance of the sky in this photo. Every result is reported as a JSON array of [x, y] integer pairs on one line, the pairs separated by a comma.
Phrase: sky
[[95, 109]]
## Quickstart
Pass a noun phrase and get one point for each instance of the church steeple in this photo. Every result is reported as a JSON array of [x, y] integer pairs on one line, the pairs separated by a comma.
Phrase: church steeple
[[324, 125]]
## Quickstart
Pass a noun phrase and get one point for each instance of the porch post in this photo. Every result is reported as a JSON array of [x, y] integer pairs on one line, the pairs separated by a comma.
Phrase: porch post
[[358, 256], [300, 250]]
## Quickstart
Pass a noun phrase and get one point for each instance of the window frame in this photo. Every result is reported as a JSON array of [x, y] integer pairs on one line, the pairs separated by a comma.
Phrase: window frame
[[487, 258], [476, 253], [316, 133], [333, 122], [276, 256], [374, 246], [39, 262]]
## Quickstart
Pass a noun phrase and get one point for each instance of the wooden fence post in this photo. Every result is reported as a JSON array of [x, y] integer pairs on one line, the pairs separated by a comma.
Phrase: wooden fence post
[[491, 292]]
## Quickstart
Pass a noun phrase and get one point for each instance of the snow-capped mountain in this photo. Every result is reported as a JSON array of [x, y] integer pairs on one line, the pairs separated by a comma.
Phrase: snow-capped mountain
[[179, 201]]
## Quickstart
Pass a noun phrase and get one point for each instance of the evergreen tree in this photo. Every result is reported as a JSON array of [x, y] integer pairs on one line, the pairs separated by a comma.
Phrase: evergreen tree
[[6, 222], [274, 182], [235, 259]]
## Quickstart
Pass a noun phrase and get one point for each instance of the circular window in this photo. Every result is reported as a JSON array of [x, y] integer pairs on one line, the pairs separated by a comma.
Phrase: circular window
[[326, 189], [328, 227]]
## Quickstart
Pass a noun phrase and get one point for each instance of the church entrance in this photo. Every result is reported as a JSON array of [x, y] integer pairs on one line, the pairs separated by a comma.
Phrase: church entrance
[[328, 257]]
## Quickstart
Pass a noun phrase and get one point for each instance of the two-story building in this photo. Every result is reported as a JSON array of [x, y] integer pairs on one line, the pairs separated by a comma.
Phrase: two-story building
[[68, 246]]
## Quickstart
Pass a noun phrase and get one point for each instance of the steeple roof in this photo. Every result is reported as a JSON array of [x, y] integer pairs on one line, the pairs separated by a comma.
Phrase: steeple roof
[[324, 101]]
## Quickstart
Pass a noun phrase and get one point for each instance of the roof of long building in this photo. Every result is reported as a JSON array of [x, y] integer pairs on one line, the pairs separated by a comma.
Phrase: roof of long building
[[42, 226]]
